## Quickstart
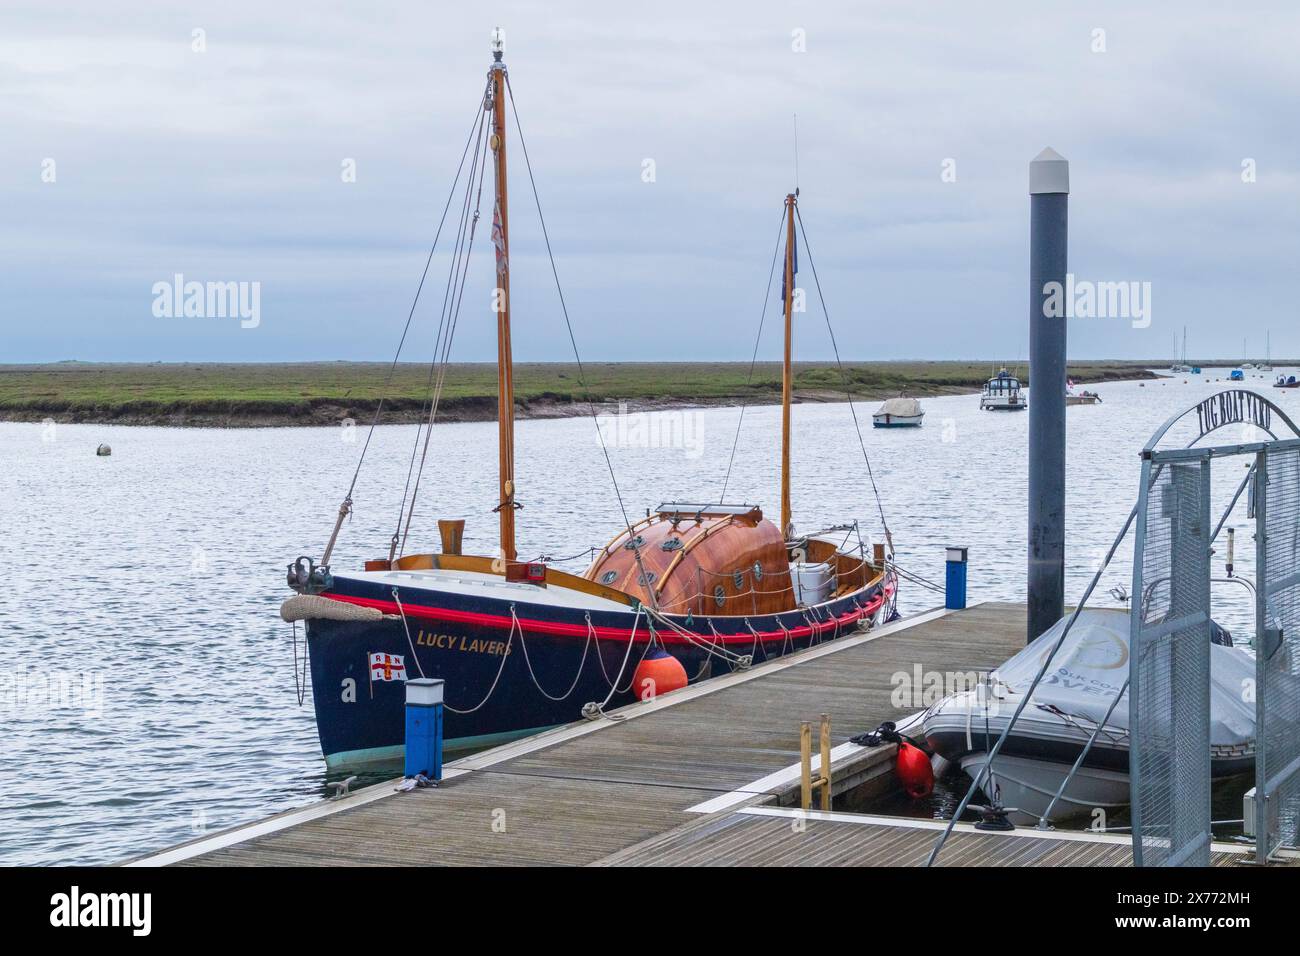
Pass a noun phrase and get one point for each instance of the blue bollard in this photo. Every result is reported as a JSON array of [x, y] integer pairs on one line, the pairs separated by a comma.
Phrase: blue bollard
[[954, 598], [424, 727]]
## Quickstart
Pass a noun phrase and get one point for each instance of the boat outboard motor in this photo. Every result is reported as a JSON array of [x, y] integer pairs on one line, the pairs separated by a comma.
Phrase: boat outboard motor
[[306, 578]]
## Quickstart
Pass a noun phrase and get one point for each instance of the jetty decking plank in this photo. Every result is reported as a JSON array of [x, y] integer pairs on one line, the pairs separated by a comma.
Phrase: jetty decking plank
[[742, 840], [618, 794]]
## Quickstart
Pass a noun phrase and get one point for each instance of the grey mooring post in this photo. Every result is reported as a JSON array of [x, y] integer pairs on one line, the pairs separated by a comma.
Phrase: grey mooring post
[[1049, 193]]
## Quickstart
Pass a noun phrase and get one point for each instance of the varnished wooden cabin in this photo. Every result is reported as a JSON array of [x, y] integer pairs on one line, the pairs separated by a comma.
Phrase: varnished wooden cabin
[[712, 559]]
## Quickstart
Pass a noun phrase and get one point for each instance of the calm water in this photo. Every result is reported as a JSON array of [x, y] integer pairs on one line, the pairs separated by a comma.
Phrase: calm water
[[156, 573]]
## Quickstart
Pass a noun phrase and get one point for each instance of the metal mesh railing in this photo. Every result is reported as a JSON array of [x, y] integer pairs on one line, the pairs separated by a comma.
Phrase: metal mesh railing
[[1277, 652], [1169, 683], [1169, 696]]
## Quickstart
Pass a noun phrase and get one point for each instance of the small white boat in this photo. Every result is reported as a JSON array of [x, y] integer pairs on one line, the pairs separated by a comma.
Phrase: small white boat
[[898, 412], [1002, 394], [1083, 397], [1089, 670]]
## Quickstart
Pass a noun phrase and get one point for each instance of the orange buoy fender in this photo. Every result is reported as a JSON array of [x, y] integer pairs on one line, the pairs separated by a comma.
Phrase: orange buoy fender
[[914, 771], [658, 673]]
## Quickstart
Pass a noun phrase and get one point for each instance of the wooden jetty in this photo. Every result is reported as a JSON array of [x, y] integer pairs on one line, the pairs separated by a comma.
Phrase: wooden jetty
[[706, 775]]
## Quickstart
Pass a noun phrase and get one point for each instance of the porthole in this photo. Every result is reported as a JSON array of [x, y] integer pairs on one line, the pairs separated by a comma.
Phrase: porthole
[[758, 571], [719, 596], [647, 578], [672, 544], [738, 579], [609, 577], [634, 543]]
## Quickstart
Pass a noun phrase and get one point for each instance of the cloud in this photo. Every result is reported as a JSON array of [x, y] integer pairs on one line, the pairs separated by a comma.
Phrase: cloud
[[225, 165]]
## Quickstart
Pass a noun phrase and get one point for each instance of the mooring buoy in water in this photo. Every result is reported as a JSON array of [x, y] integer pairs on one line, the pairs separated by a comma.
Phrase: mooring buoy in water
[[658, 673], [103, 451]]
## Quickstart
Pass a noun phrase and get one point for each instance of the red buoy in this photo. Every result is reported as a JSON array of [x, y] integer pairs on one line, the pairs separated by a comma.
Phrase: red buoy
[[914, 771], [658, 673]]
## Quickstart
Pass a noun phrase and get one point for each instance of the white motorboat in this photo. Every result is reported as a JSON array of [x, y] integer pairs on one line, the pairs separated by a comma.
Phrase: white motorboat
[[901, 412], [1089, 670], [1002, 394]]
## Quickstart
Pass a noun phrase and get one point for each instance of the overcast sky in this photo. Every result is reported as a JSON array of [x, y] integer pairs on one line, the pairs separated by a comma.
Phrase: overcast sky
[[225, 164]]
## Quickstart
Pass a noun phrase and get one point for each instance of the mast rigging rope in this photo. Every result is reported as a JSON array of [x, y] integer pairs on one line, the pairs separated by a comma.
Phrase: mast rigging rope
[[448, 321], [346, 507], [889, 539], [753, 360], [582, 375]]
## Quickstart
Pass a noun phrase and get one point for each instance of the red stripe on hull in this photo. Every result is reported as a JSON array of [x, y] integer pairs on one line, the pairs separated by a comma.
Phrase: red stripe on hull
[[612, 633]]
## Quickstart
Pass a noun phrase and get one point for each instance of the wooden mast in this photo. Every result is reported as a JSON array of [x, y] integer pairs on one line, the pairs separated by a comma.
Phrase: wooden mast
[[501, 303], [787, 377]]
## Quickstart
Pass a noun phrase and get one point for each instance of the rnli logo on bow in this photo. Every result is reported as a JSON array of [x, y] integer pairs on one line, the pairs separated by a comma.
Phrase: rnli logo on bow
[[387, 667]]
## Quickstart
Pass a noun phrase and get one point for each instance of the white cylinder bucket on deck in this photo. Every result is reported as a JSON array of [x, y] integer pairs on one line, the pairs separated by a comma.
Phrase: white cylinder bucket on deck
[[813, 583]]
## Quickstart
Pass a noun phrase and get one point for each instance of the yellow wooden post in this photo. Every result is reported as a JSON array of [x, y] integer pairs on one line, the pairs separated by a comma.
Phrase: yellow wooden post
[[805, 765], [826, 762]]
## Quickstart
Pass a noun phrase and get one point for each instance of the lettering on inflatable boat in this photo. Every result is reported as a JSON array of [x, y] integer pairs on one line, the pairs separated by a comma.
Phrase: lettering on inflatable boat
[[459, 642]]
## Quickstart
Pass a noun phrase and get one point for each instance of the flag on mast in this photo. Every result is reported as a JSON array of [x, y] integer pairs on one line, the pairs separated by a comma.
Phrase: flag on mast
[[498, 239], [795, 271]]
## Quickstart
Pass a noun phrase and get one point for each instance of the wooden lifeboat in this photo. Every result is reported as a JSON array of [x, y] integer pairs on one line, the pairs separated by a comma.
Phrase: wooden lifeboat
[[700, 559]]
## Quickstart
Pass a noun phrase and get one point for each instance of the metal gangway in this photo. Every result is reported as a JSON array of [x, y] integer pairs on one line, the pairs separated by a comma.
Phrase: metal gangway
[[1168, 684]]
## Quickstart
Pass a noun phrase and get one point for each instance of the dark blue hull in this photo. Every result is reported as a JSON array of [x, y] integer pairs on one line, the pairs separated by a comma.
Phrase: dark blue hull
[[513, 668]]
